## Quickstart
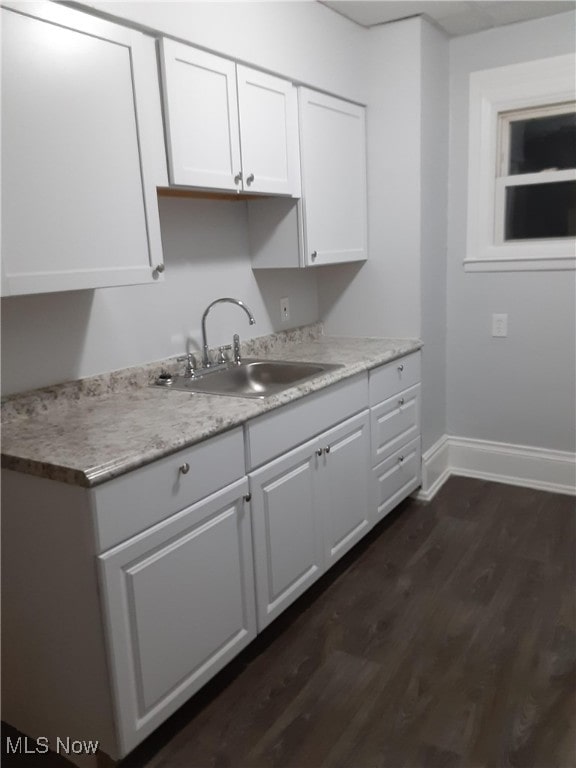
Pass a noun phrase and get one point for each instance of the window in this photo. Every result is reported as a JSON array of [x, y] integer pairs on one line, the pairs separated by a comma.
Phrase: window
[[536, 181], [522, 167]]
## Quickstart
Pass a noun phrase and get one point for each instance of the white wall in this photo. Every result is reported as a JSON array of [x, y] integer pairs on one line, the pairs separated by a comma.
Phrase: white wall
[[51, 338], [301, 40], [401, 290], [382, 297], [520, 389], [434, 223]]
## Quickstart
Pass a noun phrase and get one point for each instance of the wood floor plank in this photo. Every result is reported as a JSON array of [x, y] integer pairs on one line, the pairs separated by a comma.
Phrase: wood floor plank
[[304, 733]]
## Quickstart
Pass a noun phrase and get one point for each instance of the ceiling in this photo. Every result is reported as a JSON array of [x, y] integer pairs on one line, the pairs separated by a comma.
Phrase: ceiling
[[456, 17]]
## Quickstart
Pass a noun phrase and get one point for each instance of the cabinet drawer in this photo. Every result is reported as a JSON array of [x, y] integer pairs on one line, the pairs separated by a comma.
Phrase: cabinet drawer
[[395, 478], [392, 378], [279, 431], [394, 422], [133, 502]]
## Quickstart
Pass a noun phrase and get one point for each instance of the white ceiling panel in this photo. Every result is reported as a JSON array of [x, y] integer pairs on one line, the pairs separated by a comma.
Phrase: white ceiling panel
[[456, 17]]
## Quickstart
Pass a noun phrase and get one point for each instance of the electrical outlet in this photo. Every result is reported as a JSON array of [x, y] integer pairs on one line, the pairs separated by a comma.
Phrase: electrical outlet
[[499, 325], [284, 310]]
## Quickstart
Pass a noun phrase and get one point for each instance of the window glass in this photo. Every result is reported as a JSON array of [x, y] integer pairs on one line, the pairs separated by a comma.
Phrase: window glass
[[540, 211], [543, 143]]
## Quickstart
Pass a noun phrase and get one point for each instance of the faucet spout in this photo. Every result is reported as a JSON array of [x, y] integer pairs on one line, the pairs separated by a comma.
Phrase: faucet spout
[[205, 358]]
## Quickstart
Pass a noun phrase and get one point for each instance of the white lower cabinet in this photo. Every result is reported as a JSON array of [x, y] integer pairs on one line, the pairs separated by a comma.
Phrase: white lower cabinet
[[395, 478], [288, 552], [395, 422], [179, 604], [309, 507], [394, 394], [189, 569], [345, 461]]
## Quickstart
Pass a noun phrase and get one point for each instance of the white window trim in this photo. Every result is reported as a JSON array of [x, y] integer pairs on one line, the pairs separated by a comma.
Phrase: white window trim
[[493, 91]]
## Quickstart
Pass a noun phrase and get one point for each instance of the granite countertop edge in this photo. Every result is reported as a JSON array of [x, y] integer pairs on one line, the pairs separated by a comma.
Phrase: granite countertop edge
[[38, 445]]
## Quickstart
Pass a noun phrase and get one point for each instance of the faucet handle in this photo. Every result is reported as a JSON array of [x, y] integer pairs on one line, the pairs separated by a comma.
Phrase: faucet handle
[[222, 357], [191, 364], [236, 346]]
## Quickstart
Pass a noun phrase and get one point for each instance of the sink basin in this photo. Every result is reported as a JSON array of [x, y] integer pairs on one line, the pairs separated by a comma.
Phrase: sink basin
[[252, 378]]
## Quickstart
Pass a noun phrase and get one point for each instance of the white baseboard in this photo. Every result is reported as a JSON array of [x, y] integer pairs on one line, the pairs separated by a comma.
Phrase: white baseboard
[[435, 468], [523, 465]]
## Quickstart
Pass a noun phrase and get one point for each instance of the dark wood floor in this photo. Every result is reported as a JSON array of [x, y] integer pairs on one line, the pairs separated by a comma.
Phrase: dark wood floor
[[445, 639]]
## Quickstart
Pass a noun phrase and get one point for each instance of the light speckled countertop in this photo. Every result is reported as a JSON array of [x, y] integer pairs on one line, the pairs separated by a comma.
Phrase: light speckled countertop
[[93, 430]]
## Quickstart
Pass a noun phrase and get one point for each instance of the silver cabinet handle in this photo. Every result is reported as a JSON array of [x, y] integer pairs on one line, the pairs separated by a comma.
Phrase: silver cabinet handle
[[184, 468], [319, 452], [159, 268], [400, 368], [401, 401], [400, 459], [248, 497], [238, 177], [314, 254], [327, 449], [250, 179]]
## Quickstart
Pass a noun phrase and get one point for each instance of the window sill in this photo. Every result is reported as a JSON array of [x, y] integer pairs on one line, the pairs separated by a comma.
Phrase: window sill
[[519, 264]]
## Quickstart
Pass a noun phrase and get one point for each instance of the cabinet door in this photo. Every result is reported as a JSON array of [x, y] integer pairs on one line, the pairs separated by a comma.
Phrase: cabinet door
[[287, 530], [268, 133], [201, 117], [333, 166], [345, 475], [179, 604], [82, 152]]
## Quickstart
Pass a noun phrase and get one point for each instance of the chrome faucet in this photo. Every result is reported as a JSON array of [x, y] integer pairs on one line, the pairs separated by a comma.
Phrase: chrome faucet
[[205, 357]]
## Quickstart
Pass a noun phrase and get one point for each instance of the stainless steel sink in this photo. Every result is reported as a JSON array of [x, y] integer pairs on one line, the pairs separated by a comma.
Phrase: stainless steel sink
[[252, 378]]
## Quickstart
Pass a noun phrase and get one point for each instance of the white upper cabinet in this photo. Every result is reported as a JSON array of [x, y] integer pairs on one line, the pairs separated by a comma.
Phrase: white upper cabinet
[[329, 224], [333, 150], [82, 152], [228, 127], [268, 132], [201, 117]]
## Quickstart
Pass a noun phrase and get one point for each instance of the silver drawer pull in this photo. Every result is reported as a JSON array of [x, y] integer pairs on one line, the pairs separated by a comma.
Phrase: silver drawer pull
[[314, 254], [327, 449], [184, 468], [400, 368], [400, 459], [248, 497], [401, 401], [319, 452]]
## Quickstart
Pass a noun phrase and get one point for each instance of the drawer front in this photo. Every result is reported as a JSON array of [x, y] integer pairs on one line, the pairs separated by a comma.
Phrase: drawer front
[[135, 501], [395, 478], [277, 432], [395, 422], [392, 378]]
